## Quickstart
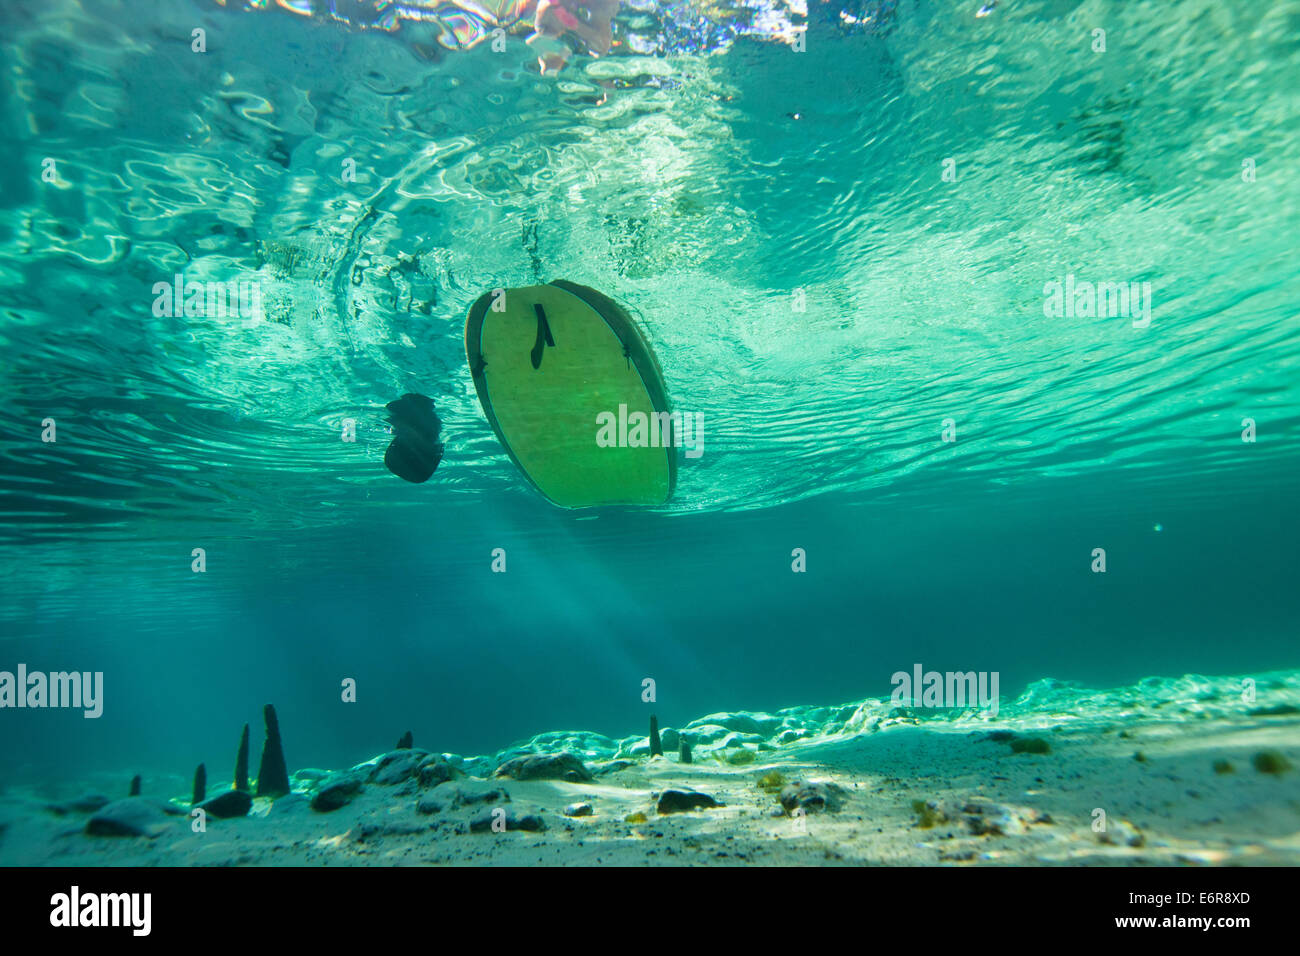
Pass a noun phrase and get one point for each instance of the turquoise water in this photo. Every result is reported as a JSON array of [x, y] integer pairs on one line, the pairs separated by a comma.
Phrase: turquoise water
[[831, 294]]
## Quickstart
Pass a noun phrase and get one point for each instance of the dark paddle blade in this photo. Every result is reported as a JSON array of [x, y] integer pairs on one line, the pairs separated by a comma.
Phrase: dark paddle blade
[[415, 451], [412, 464]]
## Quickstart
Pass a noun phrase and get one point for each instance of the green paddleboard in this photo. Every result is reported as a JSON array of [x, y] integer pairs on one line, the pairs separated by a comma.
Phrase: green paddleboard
[[557, 365]]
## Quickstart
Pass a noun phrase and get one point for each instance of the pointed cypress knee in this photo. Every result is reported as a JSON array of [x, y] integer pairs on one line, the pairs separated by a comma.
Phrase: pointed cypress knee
[[135, 785], [684, 750], [241, 762], [200, 784], [656, 748], [407, 741], [272, 774]]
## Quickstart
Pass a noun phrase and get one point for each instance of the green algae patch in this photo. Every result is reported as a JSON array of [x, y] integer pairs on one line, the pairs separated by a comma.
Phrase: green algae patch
[[1030, 745], [1223, 766], [1270, 761], [927, 814], [772, 781]]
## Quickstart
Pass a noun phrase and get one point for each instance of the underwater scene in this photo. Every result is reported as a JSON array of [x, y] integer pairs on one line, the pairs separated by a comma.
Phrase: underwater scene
[[650, 433]]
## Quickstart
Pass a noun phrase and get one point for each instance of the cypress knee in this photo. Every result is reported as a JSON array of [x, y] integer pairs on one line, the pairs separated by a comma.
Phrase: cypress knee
[[200, 784], [272, 774], [241, 762]]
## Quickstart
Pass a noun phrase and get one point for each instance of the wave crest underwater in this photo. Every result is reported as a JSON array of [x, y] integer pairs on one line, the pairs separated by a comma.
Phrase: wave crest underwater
[[815, 283]]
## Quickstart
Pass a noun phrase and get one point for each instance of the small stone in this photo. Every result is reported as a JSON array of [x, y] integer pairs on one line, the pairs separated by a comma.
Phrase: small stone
[[396, 766], [578, 810], [986, 818], [428, 805], [812, 797], [682, 801], [435, 770], [335, 791], [562, 766], [231, 804], [483, 822]]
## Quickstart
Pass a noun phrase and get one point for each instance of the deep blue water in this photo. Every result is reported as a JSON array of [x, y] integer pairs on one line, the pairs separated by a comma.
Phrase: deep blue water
[[707, 606]]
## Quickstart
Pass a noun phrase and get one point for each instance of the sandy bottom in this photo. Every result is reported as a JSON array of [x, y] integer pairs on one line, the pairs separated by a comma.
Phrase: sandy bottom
[[905, 794]]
